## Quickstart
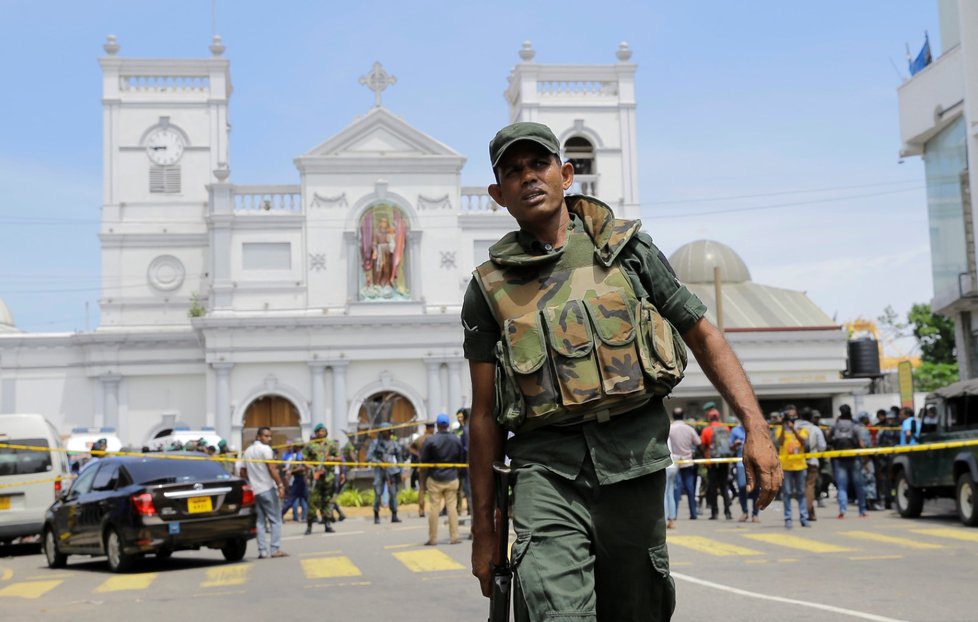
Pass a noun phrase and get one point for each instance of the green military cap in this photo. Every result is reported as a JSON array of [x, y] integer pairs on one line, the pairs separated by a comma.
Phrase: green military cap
[[709, 405], [523, 130], [222, 444], [319, 426]]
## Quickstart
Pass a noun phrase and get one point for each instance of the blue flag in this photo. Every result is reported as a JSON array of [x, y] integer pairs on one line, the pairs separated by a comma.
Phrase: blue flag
[[923, 58]]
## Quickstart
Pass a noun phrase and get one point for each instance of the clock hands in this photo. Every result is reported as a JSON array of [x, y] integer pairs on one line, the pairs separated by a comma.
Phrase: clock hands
[[158, 148]]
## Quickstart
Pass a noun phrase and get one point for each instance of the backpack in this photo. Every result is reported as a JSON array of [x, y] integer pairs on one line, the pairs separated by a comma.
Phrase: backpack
[[844, 435], [720, 446]]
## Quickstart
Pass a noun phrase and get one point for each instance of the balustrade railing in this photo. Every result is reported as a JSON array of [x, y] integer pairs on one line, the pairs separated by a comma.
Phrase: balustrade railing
[[475, 200], [576, 88], [159, 84], [261, 199]]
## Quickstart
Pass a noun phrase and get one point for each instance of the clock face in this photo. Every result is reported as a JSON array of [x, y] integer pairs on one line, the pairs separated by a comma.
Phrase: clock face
[[164, 147]]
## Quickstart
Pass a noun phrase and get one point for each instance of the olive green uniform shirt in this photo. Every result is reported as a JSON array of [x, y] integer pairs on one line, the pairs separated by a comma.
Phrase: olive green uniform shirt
[[628, 445]]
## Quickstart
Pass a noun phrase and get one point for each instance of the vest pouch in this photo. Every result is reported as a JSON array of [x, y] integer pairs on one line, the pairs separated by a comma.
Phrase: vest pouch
[[527, 357], [613, 317], [659, 350], [508, 408], [572, 353]]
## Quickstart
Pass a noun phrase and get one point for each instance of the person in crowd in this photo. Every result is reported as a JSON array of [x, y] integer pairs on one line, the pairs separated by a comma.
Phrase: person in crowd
[[387, 452], [464, 488], [909, 428], [847, 469], [738, 436], [792, 441], [816, 443], [868, 470], [297, 497], [442, 482], [418, 475], [929, 422], [269, 492], [322, 487], [715, 439], [683, 441], [889, 436]]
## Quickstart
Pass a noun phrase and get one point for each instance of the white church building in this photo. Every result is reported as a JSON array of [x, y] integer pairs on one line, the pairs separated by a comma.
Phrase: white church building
[[336, 300]]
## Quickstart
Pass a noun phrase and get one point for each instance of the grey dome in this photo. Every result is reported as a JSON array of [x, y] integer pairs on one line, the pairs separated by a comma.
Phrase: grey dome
[[6, 319], [694, 263]]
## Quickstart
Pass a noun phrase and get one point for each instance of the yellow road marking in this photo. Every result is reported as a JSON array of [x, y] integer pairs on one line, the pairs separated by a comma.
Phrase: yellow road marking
[[29, 589], [894, 540], [954, 534], [320, 553], [329, 567], [127, 582], [864, 558], [398, 546], [427, 561], [224, 576], [6, 574], [797, 542], [319, 586], [710, 547]]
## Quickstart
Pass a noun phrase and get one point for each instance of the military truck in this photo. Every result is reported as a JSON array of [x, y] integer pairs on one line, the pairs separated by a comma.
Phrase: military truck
[[948, 473]]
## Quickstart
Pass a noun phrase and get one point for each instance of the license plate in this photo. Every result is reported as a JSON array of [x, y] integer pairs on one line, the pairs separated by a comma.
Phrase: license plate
[[4, 503], [174, 528], [196, 505]]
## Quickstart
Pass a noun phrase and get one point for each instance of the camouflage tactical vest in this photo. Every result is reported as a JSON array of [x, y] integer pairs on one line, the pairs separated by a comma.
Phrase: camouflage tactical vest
[[577, 344]]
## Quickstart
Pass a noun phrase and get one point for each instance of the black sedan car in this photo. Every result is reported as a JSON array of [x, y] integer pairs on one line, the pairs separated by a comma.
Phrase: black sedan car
[[125, 507]]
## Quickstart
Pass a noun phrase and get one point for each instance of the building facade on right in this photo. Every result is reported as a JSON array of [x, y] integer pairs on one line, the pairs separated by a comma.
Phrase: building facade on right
[[939, 123]]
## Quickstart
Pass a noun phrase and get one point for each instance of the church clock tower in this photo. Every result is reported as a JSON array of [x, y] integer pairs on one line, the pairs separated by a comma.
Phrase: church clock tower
[[165, 138]]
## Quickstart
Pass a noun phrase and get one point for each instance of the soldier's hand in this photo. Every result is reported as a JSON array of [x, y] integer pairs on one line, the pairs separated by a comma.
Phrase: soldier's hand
[[761, 464], [483, 545]]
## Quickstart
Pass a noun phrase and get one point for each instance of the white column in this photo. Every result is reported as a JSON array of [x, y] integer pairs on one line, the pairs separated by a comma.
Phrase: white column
[[110, 401], [222, 399], [455, 386], [339, 398], [317, 377], [434, 388]]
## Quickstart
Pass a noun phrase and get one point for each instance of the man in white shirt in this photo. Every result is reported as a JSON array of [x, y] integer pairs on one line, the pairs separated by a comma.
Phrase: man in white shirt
[[269, 491], [683, 441]]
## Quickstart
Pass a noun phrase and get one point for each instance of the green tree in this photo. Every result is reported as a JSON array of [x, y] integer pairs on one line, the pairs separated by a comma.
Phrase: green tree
[[934, 334]]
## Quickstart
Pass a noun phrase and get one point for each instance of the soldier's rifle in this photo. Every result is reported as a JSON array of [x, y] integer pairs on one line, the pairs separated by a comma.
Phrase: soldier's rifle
[[502, 570]]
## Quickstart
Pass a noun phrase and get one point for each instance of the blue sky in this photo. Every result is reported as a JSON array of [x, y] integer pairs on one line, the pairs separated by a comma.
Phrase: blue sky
[[790, 105]]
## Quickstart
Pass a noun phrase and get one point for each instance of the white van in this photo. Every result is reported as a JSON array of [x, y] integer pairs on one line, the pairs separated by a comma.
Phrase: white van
[[183, 435], [30, 479]]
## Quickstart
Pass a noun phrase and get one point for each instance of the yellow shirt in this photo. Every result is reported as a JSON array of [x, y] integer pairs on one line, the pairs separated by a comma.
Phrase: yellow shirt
[[792, 447]]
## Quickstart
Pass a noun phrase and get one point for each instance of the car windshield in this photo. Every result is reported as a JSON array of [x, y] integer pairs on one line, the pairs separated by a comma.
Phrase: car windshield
[[152, 471], [25, 461]]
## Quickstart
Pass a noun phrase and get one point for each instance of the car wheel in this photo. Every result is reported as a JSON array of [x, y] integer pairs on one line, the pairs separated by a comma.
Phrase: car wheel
[[965, 499], [119, 561], [909, 500], [234, 550], [56, 559]]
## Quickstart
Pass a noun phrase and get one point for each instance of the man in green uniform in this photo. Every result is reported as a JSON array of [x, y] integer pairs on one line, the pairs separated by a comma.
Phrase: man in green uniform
[[572, 304], [322, 487]]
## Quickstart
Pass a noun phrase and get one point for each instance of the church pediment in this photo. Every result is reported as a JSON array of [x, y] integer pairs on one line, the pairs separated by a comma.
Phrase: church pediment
[[380, 133]]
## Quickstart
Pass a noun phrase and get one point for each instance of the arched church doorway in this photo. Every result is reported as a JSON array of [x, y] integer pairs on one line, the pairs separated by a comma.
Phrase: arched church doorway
[[383, 407], [276, 412]]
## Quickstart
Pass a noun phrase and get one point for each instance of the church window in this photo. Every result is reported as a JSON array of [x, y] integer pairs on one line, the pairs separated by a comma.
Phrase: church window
[[383, 253], [580, 153], [164, 179]]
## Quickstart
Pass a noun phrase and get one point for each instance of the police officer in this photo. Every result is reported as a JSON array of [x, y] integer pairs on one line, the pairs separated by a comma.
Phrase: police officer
[[889, 436], [321, 449], [386, 451], [589, 490]]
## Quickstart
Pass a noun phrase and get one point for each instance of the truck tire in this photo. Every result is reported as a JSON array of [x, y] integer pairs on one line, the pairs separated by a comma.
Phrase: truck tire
[[909, 500], [965, 497]]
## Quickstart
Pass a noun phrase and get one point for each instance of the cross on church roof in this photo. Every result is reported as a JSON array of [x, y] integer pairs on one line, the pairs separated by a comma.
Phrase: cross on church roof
[[377, 80]]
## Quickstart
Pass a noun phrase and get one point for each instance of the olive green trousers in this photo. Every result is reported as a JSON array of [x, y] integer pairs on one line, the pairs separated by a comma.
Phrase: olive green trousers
[[585, 552]]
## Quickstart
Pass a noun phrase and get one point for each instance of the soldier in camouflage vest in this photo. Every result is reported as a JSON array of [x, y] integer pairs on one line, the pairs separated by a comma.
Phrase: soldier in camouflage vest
[[322, 486], [574, 332]]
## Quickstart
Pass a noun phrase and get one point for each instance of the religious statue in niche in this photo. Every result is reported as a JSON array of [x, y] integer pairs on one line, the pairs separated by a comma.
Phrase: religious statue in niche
[[383, 246]]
